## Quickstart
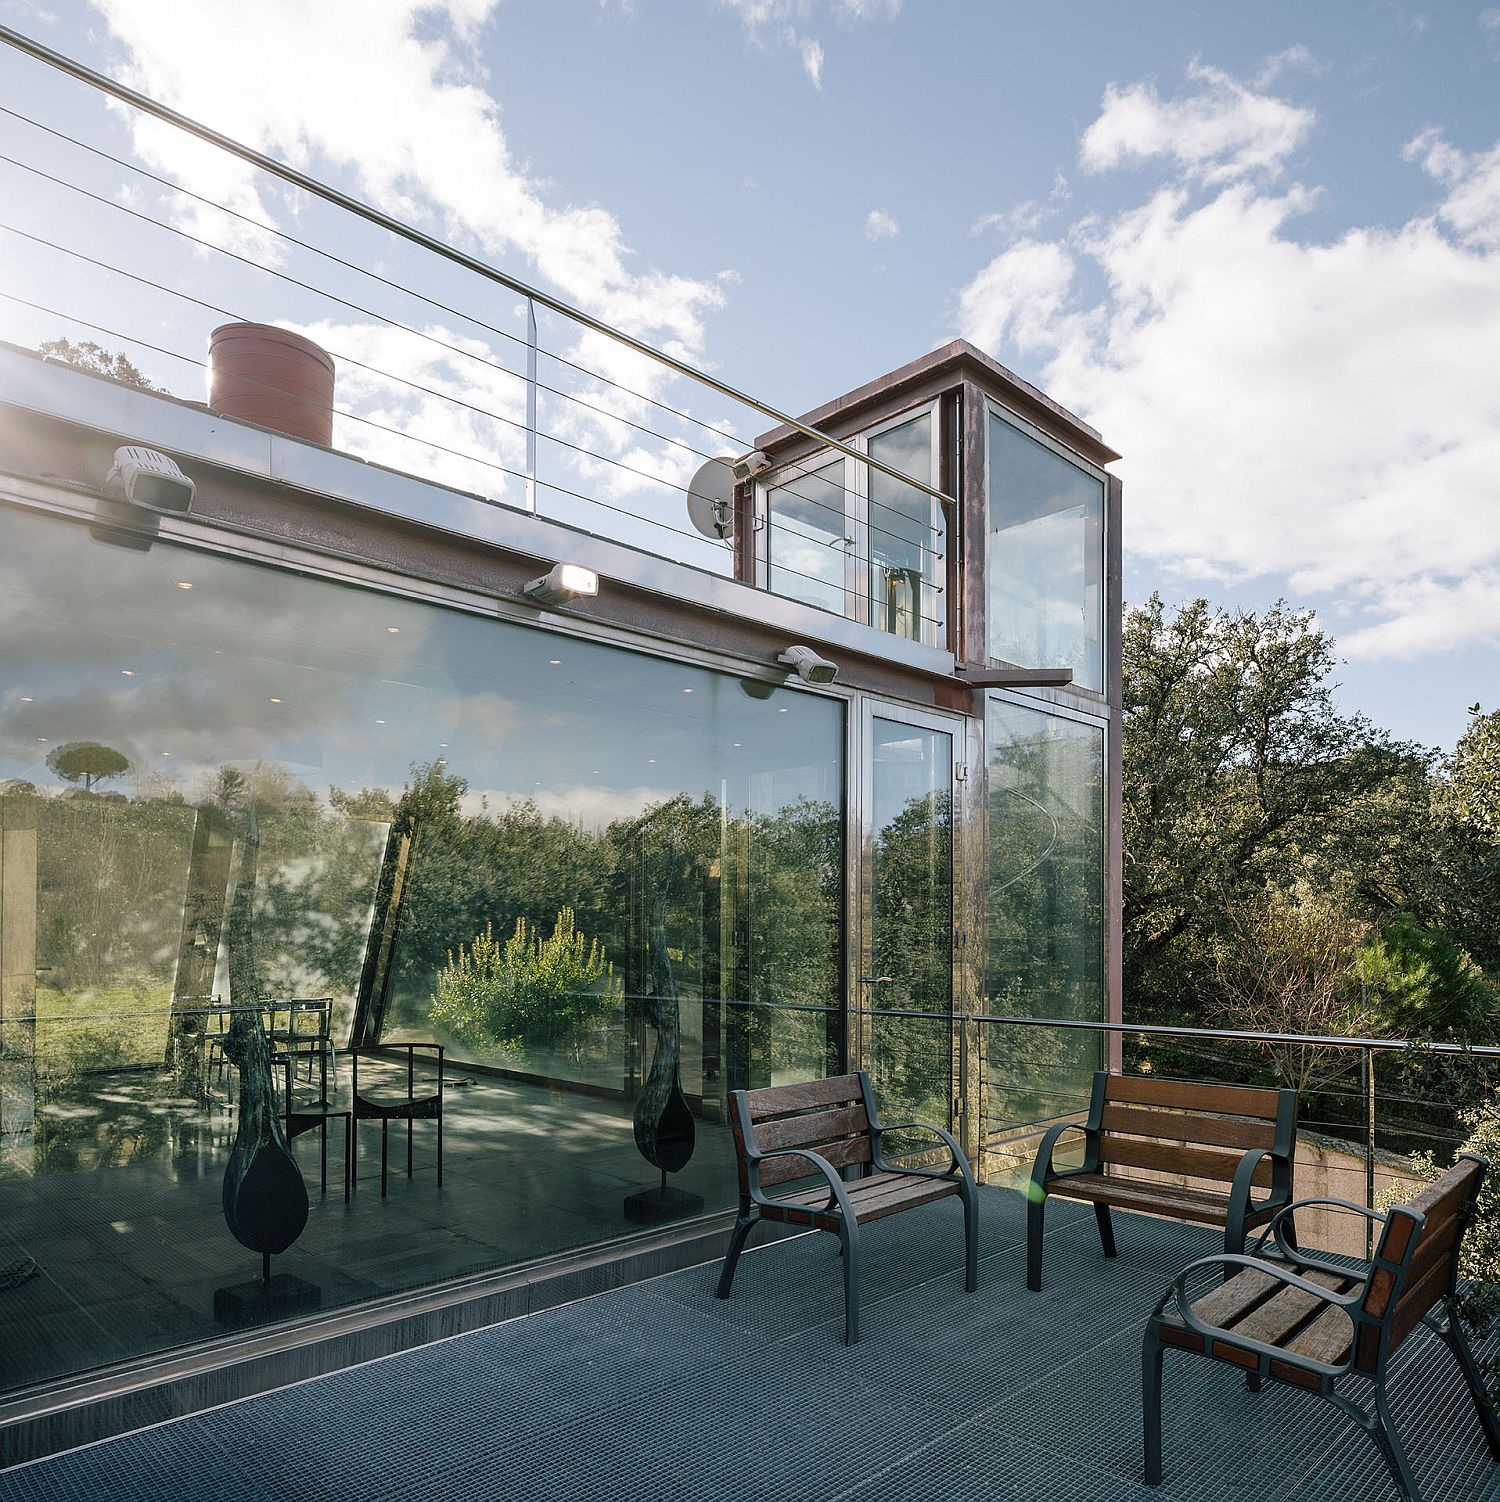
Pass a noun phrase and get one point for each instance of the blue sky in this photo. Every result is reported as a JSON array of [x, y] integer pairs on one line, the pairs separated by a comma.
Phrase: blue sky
[[1258, 246]]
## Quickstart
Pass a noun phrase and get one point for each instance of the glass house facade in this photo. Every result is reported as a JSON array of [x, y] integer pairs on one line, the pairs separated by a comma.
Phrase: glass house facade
[[308, 756]]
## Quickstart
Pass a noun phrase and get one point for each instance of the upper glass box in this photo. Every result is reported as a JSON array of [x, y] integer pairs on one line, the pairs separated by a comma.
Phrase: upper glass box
[[1045, 600], [850, 538]]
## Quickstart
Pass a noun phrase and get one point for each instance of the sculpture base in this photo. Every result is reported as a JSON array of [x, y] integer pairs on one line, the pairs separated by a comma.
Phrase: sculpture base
[[662, 1203], [257, 1303]]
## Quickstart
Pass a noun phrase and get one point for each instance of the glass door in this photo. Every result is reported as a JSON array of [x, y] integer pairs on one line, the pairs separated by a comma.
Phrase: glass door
[[907, 941]]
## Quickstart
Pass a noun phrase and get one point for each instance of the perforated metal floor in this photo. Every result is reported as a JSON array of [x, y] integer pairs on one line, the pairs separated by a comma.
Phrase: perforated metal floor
[[662, 1392]]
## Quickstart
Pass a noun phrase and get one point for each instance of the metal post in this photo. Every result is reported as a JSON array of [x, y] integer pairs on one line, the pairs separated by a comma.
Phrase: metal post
[[1370, 1148], [531, 405]]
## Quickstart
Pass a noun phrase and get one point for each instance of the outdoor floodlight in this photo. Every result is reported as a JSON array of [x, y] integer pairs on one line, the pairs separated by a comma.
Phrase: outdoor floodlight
[[146, 477], [561, 583], [809, 666], [754, 463]]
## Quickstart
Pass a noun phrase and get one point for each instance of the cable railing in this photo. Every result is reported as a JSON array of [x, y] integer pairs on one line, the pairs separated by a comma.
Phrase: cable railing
[[617, 450], [1368, 1106]]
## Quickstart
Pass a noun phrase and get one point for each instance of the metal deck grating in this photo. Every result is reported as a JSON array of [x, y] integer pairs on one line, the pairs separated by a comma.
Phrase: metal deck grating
[[661, 1392]]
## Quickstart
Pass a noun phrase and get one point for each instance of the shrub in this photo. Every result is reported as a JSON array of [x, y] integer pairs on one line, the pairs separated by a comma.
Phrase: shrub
[[531, 992], [1480, 1300]]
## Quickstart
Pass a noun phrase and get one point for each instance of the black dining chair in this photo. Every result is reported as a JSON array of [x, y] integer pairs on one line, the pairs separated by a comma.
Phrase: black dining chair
[[409, 1108], [298, 1117]]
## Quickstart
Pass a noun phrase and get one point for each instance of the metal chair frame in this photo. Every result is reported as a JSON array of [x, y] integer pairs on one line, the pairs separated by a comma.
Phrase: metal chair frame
[[1376, 1420]]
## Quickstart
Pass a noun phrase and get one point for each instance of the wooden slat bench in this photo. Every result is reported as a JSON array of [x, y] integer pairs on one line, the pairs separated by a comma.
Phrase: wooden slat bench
[[815, 1130], [1224, 1134], [1310, 1322]]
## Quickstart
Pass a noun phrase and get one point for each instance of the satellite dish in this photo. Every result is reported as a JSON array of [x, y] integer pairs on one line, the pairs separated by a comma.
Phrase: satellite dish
[[710, 499]]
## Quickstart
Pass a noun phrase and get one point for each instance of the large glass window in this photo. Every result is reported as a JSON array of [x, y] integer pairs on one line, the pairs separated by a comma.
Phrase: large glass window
[[847, 537], [1046, 904], [1045, 598], [905, 546], [609, 884], [911, 901], [807, 546]]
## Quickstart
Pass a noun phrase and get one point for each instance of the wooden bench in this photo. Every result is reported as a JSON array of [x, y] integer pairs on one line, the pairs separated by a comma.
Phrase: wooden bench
[[1225, 1134], [1311, 1321], [816, 1130]]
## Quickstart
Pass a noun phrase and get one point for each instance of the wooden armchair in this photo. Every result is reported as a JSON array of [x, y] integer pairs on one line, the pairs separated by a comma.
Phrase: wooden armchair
[[1311, 1322], [814, 1131]]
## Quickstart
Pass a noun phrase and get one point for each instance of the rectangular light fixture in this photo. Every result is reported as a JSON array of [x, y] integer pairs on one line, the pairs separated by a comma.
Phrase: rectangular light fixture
[[147, 477], [561, 583]]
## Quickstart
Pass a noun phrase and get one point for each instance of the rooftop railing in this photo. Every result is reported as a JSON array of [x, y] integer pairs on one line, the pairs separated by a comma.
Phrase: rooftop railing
[[478, 381]]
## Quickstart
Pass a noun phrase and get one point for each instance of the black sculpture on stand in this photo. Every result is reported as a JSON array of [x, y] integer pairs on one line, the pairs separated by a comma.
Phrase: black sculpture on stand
[[665, 1131], [265, 1200]]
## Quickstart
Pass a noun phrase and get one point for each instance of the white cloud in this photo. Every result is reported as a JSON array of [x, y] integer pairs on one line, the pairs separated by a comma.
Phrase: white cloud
[[812, 60], [1025, 218], [1472, 208], [1289, 58], [787, 22], [403, 116], [439, 394], [1222, 131], [1322, 413], [404, 120], [880, 226]]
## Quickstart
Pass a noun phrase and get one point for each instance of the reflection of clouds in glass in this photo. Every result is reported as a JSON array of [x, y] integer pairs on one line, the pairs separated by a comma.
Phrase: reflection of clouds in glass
[[254, 665], [1046, 559]]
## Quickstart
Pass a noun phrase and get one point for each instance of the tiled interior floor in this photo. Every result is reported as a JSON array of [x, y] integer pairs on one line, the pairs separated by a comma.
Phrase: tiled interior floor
[[131, 1252], [660, 1391]]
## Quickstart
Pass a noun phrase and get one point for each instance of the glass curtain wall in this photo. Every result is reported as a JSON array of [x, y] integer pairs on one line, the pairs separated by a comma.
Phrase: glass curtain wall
[[807, 542], [904, 545], [1046, 568], [610, 885], [911, 914], [1046, 906]]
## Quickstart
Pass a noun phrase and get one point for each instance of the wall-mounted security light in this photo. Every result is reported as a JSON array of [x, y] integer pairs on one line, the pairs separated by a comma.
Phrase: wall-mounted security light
[[561, 583], [147, 477], [809, 667], [754, 463]]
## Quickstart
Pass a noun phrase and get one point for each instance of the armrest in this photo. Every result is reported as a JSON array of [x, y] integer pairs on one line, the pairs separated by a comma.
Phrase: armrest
[[1041, 1169], [1240, 1189], [1273, 1229], [838, 1196], [1177, 1294], [959, 1165]]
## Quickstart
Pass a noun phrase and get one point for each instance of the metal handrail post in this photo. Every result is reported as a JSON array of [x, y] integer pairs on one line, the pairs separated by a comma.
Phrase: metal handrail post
[[1370, 1147]]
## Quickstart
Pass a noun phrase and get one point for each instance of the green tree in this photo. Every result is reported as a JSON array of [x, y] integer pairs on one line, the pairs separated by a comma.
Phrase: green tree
[[97, 360], [1285, 963], [1239, 772], [1417, 983], [1473, 774], [87, 762], [529, 993]]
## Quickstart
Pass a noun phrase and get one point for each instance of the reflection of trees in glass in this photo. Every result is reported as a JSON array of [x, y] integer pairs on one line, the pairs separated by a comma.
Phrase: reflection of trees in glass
[[490, 867], [111, 875], [536, 991], [316, 870], [750, 909], [913, 932], [87, 762], [793, 903], [1046, 905]]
